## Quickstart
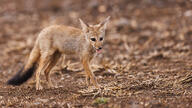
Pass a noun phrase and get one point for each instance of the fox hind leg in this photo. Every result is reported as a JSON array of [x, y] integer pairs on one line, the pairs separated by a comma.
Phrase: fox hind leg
[[53, 62], [44, 62]]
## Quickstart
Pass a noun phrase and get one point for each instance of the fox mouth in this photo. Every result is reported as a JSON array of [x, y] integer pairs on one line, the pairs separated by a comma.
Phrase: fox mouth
[[98, 50]]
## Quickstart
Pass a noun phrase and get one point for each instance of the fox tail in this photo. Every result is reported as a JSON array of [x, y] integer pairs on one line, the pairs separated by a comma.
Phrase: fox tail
[[27, 71]]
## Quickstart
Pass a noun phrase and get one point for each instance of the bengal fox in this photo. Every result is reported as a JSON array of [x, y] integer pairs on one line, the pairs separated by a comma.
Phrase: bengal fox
[[59, 39]]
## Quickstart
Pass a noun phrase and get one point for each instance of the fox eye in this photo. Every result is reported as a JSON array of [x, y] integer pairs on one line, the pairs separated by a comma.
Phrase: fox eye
[[93, 39], [101, 38]]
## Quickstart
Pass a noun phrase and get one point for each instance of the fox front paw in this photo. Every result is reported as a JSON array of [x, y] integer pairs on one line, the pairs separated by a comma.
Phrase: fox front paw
[[88, 82]]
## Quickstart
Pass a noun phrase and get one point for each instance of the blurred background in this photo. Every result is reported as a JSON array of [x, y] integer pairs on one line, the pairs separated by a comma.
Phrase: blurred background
[[147, 52]]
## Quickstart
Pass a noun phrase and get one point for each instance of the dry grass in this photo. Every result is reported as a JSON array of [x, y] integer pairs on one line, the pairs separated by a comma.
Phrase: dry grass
[[146, 61]]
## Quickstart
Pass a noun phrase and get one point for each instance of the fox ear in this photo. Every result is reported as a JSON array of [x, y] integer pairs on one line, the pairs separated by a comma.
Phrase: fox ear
[[103, 24], [83, 25]]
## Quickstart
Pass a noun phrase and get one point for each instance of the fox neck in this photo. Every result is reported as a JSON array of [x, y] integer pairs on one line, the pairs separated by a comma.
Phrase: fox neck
[[88, 47], [91, 49]]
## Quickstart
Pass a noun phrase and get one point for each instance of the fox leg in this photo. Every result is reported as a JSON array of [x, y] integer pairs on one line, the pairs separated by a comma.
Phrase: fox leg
[[87, 80], [85, 61], [63, 61], [53, 62], [40, 68], [43, 65]]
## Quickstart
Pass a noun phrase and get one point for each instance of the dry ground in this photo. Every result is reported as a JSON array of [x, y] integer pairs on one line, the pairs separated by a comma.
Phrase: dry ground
[[146, 61]]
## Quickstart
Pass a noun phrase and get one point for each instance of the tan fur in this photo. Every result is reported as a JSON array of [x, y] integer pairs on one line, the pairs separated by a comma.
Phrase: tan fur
[[59, 39]]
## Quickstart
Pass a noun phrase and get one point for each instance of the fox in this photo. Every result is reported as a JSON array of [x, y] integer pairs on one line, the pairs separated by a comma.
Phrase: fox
[[55, 40]]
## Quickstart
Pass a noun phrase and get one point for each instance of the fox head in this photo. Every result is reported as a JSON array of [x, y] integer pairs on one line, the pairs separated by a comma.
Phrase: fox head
[[95, 34]]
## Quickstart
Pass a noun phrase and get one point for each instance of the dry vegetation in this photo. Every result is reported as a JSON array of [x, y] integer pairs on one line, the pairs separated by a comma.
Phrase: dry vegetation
[[146, 61]]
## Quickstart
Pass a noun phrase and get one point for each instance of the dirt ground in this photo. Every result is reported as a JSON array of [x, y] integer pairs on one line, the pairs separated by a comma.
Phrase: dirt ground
[[146, 60]]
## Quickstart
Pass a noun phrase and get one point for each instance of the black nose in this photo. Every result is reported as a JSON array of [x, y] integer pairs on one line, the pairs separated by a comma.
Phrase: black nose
[[100, 48]]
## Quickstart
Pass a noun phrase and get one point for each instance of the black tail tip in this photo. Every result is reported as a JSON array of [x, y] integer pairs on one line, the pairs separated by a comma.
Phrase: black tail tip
[[13, 82], [21, 76]]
